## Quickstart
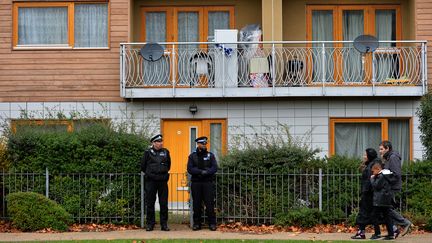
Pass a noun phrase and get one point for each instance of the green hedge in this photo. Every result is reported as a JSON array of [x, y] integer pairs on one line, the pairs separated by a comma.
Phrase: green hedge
[[280, 192], [84, 168], [30, 211], [424, 113], [94, 149]]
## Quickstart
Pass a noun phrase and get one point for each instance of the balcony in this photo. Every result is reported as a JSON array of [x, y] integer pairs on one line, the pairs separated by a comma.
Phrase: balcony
[[274, 69]]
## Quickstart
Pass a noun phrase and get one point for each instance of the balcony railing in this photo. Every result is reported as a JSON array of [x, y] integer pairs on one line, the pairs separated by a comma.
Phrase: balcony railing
[[287, 68]]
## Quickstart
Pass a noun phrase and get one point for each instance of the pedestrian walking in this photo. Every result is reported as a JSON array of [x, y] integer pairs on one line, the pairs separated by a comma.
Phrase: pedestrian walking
[[156, 164], [392, 161], [364, 216], [381, 181], [202, 166]]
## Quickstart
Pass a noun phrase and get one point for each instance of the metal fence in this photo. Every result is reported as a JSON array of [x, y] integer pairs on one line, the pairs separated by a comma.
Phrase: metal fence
[[274, 64], [247, 197]]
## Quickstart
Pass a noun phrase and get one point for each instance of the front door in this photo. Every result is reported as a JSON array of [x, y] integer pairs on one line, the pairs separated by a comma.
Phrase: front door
[[179, 139]]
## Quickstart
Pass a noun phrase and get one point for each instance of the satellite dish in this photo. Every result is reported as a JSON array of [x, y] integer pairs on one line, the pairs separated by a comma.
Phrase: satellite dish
[[152, 52], [366, 43]]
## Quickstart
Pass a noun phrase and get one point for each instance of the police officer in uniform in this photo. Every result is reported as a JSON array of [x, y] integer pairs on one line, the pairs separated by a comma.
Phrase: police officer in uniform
[[156, 164], [202, 166]]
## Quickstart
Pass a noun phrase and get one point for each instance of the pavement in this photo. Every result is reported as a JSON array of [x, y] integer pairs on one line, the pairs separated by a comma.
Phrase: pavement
[[184, 232]]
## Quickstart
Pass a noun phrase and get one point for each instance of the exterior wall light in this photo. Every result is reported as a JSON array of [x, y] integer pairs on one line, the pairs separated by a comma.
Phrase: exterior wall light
[[193, 109]]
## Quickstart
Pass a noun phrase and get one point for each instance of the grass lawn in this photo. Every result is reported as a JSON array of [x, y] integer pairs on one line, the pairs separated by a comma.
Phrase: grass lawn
[[197, 241]]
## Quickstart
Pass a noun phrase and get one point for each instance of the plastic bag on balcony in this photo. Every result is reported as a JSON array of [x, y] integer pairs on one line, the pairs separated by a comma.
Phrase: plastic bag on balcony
[[250, 33]]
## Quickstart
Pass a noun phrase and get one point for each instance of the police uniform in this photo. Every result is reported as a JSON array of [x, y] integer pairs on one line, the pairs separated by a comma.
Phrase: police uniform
[[156, 165], [202, 166]]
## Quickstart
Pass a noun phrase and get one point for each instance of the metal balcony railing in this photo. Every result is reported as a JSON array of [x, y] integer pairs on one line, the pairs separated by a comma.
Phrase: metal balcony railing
[[274, 65]]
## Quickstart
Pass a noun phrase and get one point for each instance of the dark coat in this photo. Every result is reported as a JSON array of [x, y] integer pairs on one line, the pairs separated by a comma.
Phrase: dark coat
[[156, 164], [393, 162], [366, 200], [382, 193], [202, 166]]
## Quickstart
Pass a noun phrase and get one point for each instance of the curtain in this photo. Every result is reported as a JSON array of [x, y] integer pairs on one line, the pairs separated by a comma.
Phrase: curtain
[[399, 136], [91, 25], [156, 27], [385, 28], [43, 26], [193, 136], [218, 20], [156, 73], [322, 30], [216, 139], [352, 26], [351, 139], [188, 31]]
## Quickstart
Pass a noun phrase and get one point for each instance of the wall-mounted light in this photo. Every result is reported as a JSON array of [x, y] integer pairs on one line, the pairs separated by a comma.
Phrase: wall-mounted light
[[193, 109]]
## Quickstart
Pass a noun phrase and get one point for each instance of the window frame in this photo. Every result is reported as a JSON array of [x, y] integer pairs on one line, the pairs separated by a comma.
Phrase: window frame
[[369, 13], [384, 129], [69, 123], [172, 24], [70, 22], [369, 18]]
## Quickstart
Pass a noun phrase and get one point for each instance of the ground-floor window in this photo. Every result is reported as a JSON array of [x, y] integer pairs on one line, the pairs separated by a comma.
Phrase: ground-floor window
[[351, 136], [53, 125]]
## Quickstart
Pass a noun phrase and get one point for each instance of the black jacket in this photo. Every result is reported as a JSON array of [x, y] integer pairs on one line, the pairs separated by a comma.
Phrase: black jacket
[[382, 193], [156, 164], [392, 162], [366, 174], [202, 166]]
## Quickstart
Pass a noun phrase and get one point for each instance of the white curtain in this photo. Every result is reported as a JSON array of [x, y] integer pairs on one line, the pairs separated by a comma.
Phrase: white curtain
[[188, 31], [385, 28], [351, 139], [156, 73], [353, 26], [399, 135], [322, 30], [43, 26], [218, 20], [156, 27], [91, 25], [216, 139]]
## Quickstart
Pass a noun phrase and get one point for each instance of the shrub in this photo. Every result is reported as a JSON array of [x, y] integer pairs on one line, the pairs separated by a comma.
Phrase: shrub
[[94, 149], [31, 211], [424, 112], [99, 148], [302, 217]]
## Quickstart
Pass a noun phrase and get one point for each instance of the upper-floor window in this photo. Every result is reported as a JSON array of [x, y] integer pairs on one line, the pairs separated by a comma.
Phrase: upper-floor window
[[60, 24], [184, 24]]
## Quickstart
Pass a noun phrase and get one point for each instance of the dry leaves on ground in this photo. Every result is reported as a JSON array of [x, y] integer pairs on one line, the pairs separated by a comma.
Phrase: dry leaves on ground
[[267, 229]]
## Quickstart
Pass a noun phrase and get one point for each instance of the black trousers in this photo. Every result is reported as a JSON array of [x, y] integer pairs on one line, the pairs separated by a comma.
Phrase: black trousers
[[161, 188], [384, 212], [203, 192], [397, 218]]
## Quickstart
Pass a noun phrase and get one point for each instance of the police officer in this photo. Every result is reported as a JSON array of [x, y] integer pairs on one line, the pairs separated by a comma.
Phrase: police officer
[[156, 164], [202, 166]]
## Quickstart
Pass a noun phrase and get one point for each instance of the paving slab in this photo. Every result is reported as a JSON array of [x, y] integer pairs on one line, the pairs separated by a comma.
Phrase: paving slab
[[184, 232]]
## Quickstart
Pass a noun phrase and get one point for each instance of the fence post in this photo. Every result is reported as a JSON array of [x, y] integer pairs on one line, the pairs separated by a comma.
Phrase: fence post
[[46, 183], [323, 66], [320, 189], [189, 176], [142, 199]]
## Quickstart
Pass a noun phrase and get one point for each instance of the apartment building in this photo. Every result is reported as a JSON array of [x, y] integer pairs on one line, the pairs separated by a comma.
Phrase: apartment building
[[302, 72]]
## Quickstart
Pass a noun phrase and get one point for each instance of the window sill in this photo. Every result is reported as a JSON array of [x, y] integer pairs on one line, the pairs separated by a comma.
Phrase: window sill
[[42, 48]]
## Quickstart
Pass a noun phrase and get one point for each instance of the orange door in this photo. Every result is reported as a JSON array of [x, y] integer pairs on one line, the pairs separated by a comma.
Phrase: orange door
[[179, 139]]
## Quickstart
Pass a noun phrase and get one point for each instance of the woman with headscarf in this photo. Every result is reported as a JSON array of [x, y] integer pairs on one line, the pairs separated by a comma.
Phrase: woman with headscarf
[[365, 216]]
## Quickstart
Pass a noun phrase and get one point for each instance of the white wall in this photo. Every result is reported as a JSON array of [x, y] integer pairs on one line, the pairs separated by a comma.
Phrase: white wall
[[244, 117]]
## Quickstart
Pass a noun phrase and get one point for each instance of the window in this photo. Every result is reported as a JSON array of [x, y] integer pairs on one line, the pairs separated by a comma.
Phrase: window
[[54, 125], [351, 137], [345, 23], [60, 24], [184, 24]]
